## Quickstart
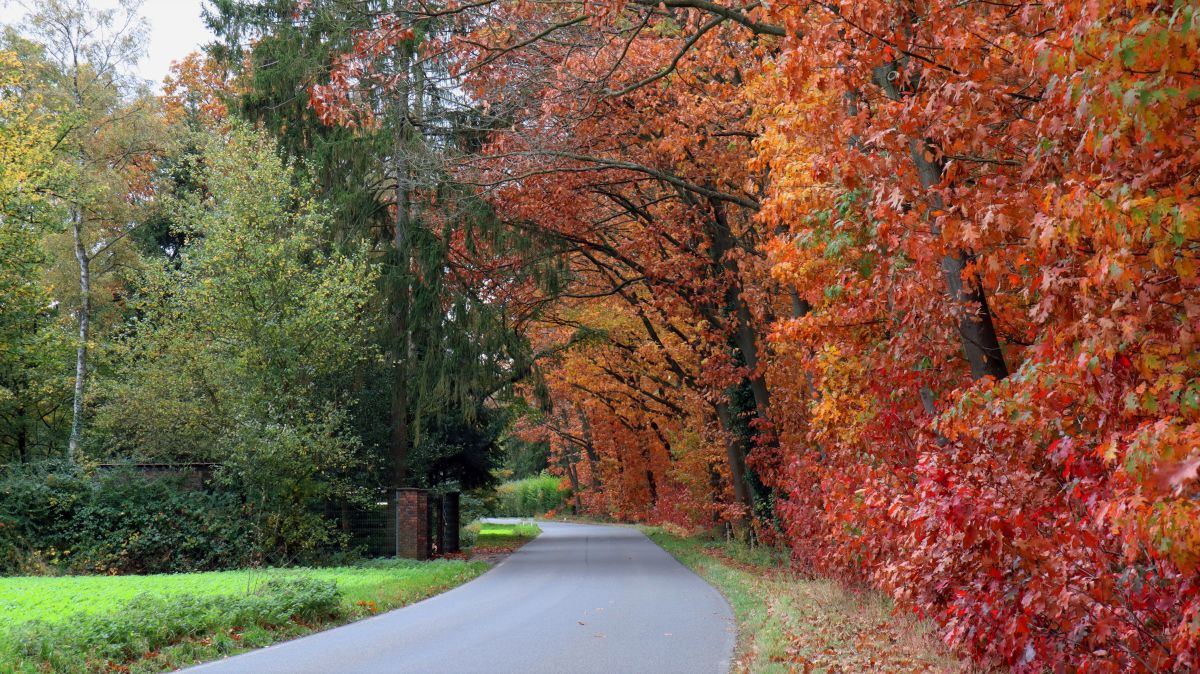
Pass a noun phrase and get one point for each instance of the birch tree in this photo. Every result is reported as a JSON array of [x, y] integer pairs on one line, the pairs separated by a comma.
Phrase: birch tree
[[108, 131]]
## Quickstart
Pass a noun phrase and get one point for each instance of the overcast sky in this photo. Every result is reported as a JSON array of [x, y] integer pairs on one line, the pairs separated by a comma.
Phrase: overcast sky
[[176, 30]]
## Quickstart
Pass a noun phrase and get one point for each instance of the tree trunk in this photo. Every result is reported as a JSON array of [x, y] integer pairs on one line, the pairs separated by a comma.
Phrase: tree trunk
[[747, 342], [399, 285], [979, 340], [735, 456], [573, 476], [22, 435], [589, 449], [399, 301], [800, 307], [737, 445], [399, 424], [980, 344], [745, 336], [84, 318]]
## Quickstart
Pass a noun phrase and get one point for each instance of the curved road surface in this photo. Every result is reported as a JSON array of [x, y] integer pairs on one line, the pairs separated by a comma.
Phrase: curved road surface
[[579, 598]]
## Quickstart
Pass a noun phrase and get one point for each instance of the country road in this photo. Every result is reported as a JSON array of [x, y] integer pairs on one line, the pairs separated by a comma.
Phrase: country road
[[579, 598]]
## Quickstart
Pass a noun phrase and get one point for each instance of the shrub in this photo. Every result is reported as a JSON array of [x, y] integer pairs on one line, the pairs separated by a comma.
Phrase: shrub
[[36, 503], [138, 525], [468, 536], [530, 497], [118, 522], [479, 503]]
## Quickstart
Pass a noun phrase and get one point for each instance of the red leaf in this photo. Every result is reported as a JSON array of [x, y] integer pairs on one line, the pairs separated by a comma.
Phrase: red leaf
[[1174, 476]]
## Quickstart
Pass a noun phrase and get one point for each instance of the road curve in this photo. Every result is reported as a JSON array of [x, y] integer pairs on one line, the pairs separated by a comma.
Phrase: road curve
[[579, 598]]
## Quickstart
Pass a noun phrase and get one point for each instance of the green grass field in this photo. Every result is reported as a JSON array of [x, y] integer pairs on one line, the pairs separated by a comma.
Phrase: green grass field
[[51, 599], [492, 535], [69, 616], [153, 623]]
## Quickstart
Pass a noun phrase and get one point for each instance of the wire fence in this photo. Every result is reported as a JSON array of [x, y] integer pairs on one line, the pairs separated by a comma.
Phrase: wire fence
[[366, 528]]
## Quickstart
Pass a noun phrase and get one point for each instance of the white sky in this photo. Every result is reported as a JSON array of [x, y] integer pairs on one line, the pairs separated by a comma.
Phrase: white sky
[[176, 30]]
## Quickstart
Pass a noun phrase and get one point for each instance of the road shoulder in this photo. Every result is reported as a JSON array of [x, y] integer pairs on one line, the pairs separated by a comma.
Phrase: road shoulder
[[786, 622]]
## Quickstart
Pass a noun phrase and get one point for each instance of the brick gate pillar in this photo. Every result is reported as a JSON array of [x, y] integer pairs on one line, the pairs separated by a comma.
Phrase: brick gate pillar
[[412, 523]]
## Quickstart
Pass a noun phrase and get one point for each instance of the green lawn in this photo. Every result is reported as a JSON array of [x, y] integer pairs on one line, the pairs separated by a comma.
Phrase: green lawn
[[159, 622], [25, 598], [492, 535], [152, 623]]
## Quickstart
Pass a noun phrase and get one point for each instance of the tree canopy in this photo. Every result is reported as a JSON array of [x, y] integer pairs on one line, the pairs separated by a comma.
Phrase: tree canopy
[[908, 288]]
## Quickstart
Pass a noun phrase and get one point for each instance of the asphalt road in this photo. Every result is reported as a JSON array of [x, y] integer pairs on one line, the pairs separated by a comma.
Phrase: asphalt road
[[579, 598]]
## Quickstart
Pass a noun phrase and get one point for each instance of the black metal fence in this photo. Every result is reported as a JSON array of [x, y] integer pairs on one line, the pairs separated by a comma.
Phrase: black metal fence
[[366, 528], [367, 532], [444, 522]]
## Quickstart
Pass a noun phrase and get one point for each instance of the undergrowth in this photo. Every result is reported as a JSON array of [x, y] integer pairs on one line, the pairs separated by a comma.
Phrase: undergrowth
[[530, 497]]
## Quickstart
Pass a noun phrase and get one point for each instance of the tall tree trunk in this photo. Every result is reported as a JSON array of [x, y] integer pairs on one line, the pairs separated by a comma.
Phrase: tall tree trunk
[[399, 299], [399, 288], [975, 326], [22, 435], [572, 475], [651, 483], [566, 460], [745, 340], [84, 318], [737, 443], [980, 344], [735, 457], [745, 336], [589, 449], [400, 343], [747, 343]]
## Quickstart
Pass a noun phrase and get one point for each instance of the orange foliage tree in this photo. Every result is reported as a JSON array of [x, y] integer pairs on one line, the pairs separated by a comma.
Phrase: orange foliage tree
[[913, 284], [197, 88]]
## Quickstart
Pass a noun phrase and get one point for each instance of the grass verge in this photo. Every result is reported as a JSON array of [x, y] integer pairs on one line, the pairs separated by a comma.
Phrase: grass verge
[[788, 623], [491, 542], [152, 623]]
